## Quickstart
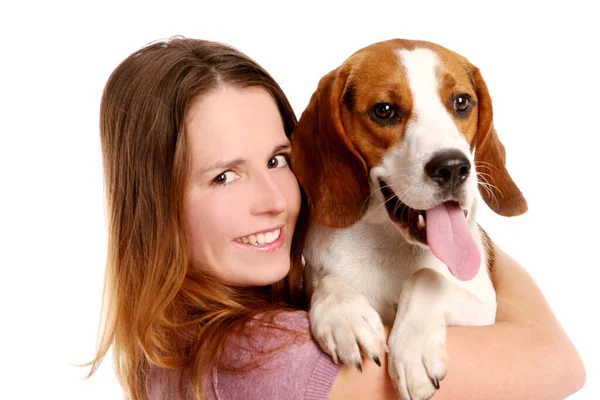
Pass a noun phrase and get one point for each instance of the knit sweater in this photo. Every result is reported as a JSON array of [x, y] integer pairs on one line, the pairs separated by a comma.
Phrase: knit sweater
[[299, 370]]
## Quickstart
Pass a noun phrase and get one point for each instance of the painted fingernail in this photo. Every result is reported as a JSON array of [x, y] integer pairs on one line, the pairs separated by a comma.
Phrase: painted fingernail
[[359, 366], [376, 359], [436, 383]]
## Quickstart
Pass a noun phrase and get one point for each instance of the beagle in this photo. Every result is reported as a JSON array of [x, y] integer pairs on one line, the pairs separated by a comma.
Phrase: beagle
[[391, 151]]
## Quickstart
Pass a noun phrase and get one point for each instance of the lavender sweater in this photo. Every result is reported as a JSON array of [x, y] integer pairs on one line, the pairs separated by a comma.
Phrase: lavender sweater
[[298, 371]]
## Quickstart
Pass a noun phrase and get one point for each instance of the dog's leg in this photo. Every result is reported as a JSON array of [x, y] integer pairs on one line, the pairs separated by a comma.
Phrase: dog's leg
[[428, 303], [342, 320]]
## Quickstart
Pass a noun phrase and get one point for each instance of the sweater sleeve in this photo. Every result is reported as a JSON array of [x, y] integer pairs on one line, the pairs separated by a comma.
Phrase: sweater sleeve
[[300, 370]]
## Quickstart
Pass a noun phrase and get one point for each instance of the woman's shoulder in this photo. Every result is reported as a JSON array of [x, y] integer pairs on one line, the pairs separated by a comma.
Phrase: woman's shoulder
[[294, 320], [274, 358], [269, 338], [282, 360]]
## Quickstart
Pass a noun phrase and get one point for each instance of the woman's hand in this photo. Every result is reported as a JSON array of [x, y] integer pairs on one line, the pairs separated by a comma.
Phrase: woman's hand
[[525, 355]]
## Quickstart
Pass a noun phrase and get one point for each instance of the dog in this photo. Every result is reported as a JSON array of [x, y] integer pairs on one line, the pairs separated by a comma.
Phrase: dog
[[391, 151]]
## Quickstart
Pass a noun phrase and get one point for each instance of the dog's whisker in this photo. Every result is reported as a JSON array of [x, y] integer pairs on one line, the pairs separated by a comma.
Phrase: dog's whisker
[[398, 196], [407, 194], [368, 199], [373, 193], [488, 187], [479, 167], [387, 185], [383, 204], [407, 210], [400, 174], [396, 208], [482, 180], [484, 164], [483, 174], [485, 182]]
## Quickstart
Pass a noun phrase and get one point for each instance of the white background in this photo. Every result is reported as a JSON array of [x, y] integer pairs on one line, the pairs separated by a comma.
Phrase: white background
[[540, 62]]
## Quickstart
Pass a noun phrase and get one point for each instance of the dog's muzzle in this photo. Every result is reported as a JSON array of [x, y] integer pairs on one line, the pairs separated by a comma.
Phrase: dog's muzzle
[[403, 214]]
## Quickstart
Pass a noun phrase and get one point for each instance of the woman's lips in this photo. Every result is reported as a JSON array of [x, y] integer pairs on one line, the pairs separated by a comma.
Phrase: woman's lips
[[266, 241]]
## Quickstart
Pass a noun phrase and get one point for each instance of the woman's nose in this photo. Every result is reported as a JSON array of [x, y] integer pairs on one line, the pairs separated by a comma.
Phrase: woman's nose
[[270, 196]]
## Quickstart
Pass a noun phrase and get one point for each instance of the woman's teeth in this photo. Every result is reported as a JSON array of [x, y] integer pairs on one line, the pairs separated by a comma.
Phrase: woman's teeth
[[261, 238]]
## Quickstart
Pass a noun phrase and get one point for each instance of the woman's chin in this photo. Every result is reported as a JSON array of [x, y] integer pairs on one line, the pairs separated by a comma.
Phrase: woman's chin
[[269, 276]]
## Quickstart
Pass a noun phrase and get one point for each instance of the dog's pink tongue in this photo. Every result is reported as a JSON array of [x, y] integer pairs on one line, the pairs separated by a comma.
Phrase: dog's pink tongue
[[450, 240]]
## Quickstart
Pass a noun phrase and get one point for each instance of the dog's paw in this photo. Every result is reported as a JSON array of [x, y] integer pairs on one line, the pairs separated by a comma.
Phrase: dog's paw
[[346, 325], [418, 358]]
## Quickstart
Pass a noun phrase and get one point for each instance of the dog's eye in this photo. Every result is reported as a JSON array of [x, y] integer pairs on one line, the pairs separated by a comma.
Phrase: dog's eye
[[384, 111], [462, 102]]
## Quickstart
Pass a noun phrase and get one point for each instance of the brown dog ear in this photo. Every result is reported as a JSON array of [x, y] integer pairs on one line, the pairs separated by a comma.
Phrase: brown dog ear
[[496, 186], [328, 166]]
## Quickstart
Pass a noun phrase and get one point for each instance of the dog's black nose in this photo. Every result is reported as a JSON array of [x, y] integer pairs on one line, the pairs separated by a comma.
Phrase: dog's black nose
[[449, 168]]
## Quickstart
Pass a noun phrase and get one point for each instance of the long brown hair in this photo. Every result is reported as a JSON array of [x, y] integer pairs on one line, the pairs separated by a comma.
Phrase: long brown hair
[[156, 310]]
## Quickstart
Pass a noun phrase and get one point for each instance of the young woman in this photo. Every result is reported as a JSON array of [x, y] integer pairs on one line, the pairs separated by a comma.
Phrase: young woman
[[203, 292]]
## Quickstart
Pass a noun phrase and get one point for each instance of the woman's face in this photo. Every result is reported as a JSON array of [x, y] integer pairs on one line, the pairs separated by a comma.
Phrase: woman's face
[[242, 200]]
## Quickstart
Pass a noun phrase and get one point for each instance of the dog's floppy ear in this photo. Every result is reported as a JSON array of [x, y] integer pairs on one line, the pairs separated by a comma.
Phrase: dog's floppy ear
[[496, 186], [328, 166]]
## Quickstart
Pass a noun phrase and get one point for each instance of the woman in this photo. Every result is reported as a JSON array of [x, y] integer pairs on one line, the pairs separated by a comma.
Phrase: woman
[[203, 294]]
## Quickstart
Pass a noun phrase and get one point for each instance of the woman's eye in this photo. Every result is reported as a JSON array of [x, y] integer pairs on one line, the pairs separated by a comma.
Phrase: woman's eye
[[278, 161], [225, 178]]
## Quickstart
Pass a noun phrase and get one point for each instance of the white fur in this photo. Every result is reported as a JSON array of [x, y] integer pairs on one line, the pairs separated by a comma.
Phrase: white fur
[[430, 130], [371, 269]]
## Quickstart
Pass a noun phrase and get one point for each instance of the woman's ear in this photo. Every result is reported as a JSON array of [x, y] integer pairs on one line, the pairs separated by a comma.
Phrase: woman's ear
[[329, 168]]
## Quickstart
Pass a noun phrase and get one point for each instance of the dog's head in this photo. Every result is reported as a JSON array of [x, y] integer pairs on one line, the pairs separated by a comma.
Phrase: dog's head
[[410, 116], [410, 120]]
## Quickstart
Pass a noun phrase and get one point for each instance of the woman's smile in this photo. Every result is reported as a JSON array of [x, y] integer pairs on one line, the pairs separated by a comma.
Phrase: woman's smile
[[265, 241]]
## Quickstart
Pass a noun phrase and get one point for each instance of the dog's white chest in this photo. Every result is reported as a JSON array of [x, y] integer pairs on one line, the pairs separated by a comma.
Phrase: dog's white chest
[[376, 260]]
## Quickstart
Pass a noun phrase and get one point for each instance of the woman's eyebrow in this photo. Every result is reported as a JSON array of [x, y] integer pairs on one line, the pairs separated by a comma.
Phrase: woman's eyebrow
[[284, 146], [224, 165], [229, 164]]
